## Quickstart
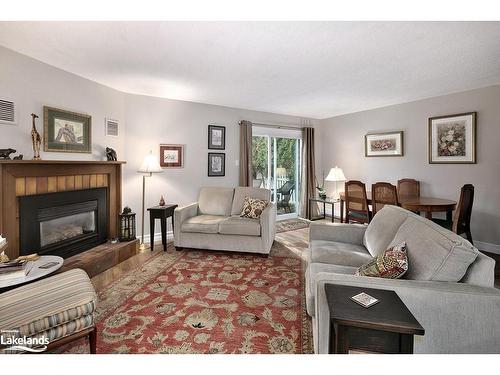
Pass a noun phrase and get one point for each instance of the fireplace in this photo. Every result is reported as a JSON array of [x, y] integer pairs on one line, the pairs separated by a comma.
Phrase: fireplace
[[63, 223]]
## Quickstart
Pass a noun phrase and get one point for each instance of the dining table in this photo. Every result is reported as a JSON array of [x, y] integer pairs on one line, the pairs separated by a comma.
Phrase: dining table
[[427, 205]]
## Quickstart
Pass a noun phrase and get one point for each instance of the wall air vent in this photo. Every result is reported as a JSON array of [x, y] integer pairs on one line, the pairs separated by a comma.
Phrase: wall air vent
[[111, 128], [7, 112]]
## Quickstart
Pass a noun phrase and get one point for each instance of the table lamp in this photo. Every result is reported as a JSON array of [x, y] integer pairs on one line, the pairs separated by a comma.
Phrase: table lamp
[[336, 175], [149, 166]]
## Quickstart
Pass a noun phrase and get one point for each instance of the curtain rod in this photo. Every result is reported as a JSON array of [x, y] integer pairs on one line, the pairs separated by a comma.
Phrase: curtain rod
[[277, 126]]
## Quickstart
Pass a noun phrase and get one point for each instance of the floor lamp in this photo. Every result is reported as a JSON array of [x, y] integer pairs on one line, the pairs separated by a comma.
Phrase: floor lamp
[[149, 166]]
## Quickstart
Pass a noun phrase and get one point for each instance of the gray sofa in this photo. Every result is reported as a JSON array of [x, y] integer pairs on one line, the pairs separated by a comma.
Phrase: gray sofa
[[449, 286], [214, 222]]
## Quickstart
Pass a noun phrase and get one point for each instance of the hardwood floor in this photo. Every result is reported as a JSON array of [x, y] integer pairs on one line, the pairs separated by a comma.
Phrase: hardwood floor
[[296, 240]]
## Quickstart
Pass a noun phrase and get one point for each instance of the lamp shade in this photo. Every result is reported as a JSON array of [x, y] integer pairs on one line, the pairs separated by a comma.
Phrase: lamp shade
[[336, 174], [150, 164]]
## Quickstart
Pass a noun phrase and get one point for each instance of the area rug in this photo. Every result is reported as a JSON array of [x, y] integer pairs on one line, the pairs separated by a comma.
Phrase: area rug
[[291, 224], [206, 302]]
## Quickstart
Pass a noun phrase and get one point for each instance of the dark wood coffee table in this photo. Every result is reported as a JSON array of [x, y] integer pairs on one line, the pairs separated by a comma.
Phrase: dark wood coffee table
[[386, 327]]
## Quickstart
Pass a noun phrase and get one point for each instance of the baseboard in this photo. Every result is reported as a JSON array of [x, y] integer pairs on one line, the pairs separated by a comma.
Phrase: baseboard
[[488, 247], [157, 237]]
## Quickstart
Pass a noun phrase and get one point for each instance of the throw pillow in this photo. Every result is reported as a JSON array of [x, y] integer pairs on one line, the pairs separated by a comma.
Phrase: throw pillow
[[391, 264], [252, 208]]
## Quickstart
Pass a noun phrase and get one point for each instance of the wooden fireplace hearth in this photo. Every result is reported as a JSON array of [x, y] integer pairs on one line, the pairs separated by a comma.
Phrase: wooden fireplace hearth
[[33, 177]]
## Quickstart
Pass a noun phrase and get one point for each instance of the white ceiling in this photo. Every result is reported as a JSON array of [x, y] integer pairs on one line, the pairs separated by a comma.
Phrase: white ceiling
[[309, 69]]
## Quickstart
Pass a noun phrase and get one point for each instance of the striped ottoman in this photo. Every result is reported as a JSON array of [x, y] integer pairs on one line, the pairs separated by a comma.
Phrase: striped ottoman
[[60, 308]]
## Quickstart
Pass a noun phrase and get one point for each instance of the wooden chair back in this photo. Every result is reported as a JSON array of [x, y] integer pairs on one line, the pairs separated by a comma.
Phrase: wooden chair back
[[461, 219], [408, 188], [356, 202], [383, 193]]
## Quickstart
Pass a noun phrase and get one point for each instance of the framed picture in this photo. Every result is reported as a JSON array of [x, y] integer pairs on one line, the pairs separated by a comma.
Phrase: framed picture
[[216, 164], [66, 131], [452, 139], [172, 156], [216, 137], [384, 144]]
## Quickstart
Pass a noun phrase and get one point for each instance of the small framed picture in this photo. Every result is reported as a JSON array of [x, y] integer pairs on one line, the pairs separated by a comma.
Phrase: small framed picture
[[452, 139], [216, 137], [384, 144], [216, 164], [172, 156], [66, 131]]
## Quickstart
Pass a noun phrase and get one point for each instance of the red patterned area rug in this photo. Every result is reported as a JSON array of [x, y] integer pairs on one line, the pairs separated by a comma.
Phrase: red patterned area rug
[[206, 302]]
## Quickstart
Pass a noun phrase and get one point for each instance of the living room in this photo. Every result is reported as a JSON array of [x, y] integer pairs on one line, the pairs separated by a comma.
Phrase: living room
[[249, 187]]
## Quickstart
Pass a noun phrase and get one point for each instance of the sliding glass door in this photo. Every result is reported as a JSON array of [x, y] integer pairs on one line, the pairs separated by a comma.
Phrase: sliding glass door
[[276, 166]]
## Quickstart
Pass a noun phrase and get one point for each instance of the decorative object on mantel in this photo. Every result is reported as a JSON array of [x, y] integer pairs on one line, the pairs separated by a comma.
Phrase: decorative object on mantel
[[111, 154], [336, 175], [18, 157], [149, 166], [216, 137], [36, 139], [452, 139], [66, 131], [162, 201], [384, 144], [127, 225], [5, 153], [216, 164], [171, 156]]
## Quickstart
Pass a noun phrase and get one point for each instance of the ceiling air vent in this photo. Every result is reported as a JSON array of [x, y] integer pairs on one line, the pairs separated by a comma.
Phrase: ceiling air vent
[[111, 127], [7, 112]]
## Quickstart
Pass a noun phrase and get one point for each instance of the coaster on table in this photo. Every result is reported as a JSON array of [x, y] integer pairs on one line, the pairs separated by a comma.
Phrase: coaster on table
[[364, 299]]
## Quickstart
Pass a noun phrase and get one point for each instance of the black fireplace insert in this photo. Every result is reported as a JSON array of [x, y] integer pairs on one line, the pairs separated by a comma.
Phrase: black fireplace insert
[[64, 223]]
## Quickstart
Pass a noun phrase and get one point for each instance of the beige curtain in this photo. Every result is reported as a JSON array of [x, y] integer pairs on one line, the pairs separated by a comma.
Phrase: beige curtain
[[245, 153], [308, 176]]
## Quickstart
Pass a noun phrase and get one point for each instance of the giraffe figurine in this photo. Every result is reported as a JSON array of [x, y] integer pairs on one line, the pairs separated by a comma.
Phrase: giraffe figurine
[[36, 139]]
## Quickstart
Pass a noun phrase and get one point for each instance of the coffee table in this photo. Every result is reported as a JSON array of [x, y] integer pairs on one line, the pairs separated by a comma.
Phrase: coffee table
[[386, 327], [35, 272]]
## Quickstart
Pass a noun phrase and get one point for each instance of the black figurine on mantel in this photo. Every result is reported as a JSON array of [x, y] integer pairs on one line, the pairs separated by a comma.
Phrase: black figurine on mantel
[[5, 153], [110, 154]]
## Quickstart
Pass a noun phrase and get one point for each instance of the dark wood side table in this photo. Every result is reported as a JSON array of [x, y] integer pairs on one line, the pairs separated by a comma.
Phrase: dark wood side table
[[162, 213], [326, 201], [386, 327]]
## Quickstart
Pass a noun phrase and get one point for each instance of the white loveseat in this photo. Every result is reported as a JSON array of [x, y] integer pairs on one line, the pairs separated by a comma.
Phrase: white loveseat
[[214, 222], [449, 286]]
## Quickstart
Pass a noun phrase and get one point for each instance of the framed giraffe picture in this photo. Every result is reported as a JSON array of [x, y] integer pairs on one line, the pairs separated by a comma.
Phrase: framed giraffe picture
[[66, 131]]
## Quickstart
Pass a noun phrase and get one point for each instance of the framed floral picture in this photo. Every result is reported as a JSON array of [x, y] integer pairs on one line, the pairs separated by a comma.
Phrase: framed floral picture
[[216, 164], [384, 144], [172, 156], [66, 131], [452, 139]]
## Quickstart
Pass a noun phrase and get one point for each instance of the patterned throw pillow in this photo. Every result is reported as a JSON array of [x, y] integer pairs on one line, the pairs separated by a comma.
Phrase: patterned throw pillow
[[391, 264], [253, 208]]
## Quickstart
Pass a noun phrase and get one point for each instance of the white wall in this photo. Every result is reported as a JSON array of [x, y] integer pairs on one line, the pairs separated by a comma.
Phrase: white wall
[[145, 122], [343, 145], [151, 121], [32, 85]]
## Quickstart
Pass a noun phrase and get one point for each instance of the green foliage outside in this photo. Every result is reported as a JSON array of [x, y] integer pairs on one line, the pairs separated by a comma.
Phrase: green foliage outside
[[286, 154]]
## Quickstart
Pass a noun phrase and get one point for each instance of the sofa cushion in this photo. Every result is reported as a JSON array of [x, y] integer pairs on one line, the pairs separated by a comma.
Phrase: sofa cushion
[[215, 201], [202, 224], [391, 264], [382, 229], [339, 253], [253, 208], [242, 191], [312, 270], [434, 253], [240, 226]]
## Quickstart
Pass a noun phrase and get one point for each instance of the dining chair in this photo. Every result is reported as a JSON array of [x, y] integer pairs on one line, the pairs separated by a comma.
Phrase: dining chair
[[356, 203], [461, 218], [383, 193], [408, 187]]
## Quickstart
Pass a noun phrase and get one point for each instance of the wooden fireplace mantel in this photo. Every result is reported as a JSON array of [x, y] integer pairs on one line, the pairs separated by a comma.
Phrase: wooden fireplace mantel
[[32, 177]]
